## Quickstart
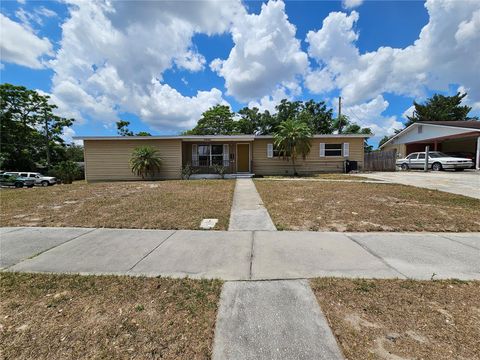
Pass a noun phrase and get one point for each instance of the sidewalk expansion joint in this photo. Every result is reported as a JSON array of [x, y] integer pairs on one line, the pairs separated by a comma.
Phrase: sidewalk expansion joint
[[51, 248], [251, 255], [151, 251], [457, 242], [373, 253]]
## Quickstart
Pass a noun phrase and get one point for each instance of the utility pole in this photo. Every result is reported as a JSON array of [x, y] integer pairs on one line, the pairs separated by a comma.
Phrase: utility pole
[[339, 107], [339, 114]]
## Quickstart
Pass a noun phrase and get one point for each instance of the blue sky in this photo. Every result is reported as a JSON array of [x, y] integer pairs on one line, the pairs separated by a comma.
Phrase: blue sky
[[161, 64]]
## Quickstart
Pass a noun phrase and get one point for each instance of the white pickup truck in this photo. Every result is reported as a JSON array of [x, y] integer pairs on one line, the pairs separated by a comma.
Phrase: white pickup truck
[[39, 178], [436, 161]]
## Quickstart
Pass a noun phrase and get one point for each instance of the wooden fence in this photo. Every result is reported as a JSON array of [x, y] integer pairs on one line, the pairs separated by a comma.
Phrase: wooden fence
[[380, 160]]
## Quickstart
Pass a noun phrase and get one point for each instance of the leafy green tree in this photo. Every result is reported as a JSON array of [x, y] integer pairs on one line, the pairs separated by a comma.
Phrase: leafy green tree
[[67, 171], [383, 140], [74, 152], [268, 122], [388, 137], [287, 110], [343, 125], [440, 108], [249, 121], [30, 131], [145, 161], [122, 128], [52, 127], [293, 139], [320, 118], [218, 120], [340, 123]]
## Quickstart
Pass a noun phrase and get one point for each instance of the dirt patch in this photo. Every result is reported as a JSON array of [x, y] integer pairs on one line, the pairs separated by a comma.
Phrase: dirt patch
[[402, 319], [106, 317], [340, 206], [134, 205]]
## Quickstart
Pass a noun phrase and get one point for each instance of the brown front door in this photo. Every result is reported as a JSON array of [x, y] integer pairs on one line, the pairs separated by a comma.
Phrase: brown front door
[[243, 157]]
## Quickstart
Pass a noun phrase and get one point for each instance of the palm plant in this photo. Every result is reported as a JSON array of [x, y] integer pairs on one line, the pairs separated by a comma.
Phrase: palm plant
[[293, 139], [145, 161]]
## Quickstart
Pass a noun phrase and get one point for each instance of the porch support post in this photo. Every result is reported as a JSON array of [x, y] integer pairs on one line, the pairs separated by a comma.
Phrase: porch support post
[[435, 145], [477, 166]]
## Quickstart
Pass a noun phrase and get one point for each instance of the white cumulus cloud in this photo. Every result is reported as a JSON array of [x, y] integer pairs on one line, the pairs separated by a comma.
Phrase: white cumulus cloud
[[113, 55], [350, 4], [266, 54], [21, 46], [446, 52], [370, 114]]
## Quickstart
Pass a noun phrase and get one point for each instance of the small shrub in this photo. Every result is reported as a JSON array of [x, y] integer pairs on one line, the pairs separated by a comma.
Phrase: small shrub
[[67, 171], [187, 171], [220, 170]]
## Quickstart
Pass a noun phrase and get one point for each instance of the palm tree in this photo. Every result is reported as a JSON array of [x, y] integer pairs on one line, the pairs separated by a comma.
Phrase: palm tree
[[145, 161], [293, 139]]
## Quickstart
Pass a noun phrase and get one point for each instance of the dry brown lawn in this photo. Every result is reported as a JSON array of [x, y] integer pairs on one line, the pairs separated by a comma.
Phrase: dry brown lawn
[[326, 176], [402, 319], [338, 206], [143, 205], [106, 317]]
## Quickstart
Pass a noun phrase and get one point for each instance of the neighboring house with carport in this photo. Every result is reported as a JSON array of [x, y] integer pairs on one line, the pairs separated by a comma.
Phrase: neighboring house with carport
[[444, 136], [107, 157]]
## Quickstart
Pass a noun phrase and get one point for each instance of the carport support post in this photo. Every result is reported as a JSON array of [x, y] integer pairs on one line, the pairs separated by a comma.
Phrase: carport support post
[[477, 158], [427, 152]]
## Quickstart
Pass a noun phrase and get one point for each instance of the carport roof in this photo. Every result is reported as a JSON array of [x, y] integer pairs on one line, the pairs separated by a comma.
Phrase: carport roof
[[467, 125]]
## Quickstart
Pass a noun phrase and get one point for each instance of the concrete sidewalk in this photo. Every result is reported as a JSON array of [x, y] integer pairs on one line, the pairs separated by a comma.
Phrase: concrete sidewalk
[[248, 212], [241, 255]]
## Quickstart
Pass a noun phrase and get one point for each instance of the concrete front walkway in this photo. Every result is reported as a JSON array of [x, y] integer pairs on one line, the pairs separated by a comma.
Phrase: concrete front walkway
[[241, 255], [272, 320], [248, 212], [465, 183]]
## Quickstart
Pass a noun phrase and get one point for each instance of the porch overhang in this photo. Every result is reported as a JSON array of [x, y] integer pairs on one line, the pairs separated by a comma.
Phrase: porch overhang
[[219, 138]]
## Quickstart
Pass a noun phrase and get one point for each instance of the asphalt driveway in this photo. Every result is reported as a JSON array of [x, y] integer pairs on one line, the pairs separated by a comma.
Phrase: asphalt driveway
[[463, 183]]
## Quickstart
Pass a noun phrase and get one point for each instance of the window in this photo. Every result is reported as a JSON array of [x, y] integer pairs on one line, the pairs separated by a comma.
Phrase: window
[[412, 156], [436, 154], [217, 154], [274, 151], [204, 155], [208, 155], [333, 149], [421, 156], [278, 153]]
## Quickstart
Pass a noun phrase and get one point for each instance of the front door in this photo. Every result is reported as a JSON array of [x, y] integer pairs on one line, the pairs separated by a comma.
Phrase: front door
[[243, 157]]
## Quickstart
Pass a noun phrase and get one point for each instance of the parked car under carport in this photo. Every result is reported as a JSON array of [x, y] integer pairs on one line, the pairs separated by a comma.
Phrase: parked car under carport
[[436, 161]]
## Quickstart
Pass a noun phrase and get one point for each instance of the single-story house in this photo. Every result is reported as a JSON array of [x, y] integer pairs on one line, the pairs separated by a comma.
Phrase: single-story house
[[460, 137], [107, 157]]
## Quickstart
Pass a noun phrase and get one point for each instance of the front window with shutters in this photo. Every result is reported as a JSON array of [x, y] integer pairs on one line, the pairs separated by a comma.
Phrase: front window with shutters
[[206, 155], [277, 152], [333, 149]]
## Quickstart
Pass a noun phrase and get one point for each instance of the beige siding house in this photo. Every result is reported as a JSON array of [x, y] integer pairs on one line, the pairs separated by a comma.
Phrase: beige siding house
[[107, 158]]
